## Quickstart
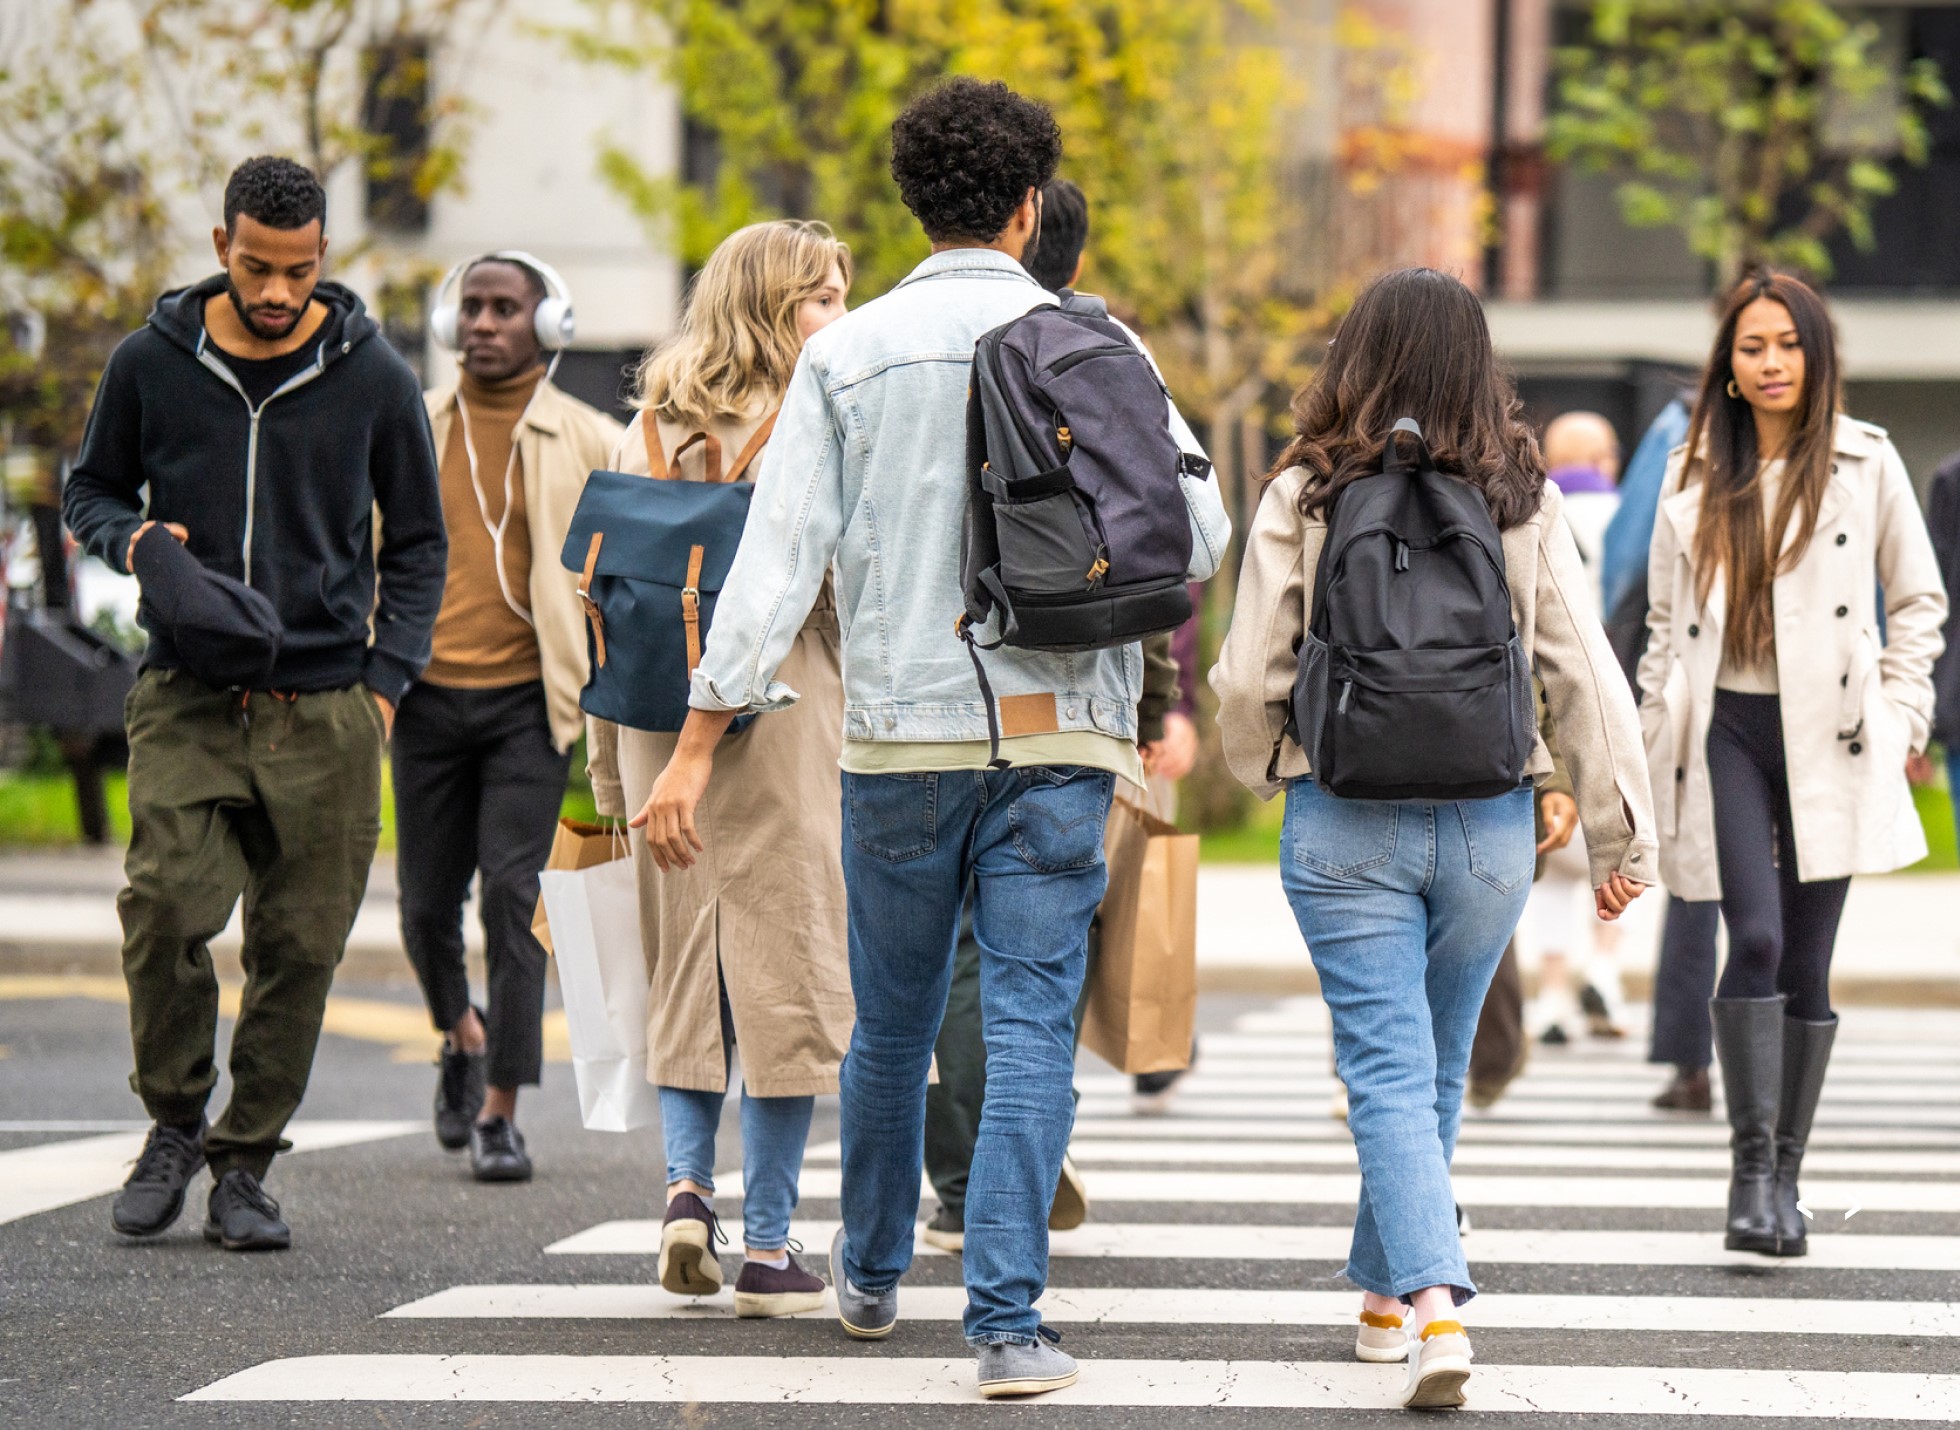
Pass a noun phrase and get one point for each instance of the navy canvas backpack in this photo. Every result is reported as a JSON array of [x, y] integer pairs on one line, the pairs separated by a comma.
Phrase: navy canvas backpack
[[652, 555], [1413, 682]]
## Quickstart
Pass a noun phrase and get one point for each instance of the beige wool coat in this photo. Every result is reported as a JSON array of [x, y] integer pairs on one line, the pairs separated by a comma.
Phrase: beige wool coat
[[560, 442], [1853, 706], [1552, 606], [764, 904]]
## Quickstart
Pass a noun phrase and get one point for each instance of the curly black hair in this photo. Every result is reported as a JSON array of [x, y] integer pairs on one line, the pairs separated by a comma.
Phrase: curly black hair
[[966, 153], [1052, 260], [275, 192]]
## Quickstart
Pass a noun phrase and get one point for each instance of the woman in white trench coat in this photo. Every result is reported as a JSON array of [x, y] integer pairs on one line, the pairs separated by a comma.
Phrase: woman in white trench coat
[[1779, 711]]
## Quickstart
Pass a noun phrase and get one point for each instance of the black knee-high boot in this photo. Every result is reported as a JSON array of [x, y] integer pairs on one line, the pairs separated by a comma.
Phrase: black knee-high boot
[[1806, 1057], [1749, 1043]]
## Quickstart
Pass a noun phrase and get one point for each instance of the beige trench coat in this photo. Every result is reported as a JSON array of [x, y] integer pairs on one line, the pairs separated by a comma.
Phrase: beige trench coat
[[1852, 707], [766, 899], [561, 442]]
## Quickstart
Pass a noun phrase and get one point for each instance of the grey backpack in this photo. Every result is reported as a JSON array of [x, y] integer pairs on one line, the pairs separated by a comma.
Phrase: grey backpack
[[1077, 536]]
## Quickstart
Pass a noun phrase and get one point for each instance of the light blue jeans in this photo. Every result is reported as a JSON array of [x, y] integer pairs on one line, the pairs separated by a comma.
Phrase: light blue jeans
[[1030, 842], [1406, 908], [774, 1131]]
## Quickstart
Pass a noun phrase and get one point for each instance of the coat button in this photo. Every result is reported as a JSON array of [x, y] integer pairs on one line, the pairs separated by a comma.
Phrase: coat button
[[1842, 538], [1834, 469], [1856, 748], [1694, 630], [1844, 610], [1680, 773]]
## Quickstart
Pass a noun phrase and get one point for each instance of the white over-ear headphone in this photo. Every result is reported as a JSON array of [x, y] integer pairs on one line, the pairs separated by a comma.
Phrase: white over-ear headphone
[[554, 321]]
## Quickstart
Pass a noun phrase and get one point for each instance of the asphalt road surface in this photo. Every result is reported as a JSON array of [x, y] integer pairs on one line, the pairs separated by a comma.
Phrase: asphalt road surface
[[1203, 1291]]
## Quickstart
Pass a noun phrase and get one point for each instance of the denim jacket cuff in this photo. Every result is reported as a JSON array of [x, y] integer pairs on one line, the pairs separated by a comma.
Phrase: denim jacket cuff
[[703, 694]]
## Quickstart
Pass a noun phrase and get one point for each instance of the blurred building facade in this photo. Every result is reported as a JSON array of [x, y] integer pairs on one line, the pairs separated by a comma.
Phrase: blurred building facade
[[1592, 313]]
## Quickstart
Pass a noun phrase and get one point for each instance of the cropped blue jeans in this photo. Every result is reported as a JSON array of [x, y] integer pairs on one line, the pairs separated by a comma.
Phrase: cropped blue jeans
[[1406, 908]]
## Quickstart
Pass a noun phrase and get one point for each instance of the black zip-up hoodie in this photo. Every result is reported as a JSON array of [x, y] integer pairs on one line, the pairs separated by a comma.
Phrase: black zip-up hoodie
[[281, 499]]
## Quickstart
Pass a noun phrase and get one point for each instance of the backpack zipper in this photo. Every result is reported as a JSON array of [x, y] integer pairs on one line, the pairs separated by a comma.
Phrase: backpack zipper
[[1347, 690], [1401, 556]]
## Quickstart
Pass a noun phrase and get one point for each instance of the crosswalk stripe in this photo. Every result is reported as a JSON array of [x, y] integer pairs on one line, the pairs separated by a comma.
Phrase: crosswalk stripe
[[886, 1380], [1308, 1050], [1479, 1128], [1089, 1152], [1832, 1112], [1239, 1242], [58, 1174], [1341, 1188], [1523, 1093], [1205, 1306], [1319, 1075]]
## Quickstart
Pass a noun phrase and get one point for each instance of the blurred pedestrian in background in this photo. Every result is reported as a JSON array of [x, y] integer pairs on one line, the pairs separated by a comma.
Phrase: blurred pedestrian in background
[[1582, 459], [1943, 522], [484, 738], [1405, 930], [1778, 722], [748, 946], [239, 449]]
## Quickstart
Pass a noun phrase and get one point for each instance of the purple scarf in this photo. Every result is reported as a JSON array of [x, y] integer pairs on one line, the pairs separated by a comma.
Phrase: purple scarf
[[1574, 480]]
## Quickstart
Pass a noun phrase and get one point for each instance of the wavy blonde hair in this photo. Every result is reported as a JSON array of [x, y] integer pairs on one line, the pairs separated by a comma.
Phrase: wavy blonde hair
[[738, 342]]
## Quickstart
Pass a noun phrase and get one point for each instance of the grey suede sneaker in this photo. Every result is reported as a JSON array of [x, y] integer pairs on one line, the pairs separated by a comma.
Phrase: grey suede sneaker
[[1010, 1369], [868, 1316]]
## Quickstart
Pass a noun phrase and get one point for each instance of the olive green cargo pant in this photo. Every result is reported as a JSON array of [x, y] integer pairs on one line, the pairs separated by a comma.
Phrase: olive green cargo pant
[[278, 799]]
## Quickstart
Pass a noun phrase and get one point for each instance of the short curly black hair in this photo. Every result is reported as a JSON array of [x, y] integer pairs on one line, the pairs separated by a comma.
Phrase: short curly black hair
[[276, 192], [966, 153]]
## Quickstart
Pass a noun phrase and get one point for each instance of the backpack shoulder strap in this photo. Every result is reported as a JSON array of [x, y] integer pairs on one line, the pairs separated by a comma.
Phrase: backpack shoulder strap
[[1085, 303], [753, 448], [660, 467]]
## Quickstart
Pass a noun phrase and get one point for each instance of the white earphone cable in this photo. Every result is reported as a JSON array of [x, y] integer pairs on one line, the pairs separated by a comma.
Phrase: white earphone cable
[[501, 525]]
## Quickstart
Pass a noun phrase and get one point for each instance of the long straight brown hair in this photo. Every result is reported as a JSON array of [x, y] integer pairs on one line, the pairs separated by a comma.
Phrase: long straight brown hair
[[1415, 344], [1732, 537]]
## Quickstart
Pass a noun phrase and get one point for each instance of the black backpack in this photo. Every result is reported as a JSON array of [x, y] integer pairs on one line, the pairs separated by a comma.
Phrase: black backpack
[[1077, 536], [1413, 683]]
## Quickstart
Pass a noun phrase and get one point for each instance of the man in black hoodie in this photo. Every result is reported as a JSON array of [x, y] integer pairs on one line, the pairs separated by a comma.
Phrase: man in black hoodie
[[268, 422]]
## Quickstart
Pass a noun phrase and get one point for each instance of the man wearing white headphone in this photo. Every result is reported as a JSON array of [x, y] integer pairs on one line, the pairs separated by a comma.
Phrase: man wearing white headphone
[[482, 741]]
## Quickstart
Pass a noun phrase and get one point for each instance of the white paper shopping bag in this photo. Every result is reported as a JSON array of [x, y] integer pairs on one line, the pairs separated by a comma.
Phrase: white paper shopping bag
[[602, 975]]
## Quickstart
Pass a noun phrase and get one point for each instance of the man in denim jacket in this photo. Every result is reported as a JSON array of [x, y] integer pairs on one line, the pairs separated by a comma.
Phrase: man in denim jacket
[[867, 473]]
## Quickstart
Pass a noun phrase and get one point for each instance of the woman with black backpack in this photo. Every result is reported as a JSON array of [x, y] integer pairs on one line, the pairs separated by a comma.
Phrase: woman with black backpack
[[749, 945], [1408, 566], [1781, 708]]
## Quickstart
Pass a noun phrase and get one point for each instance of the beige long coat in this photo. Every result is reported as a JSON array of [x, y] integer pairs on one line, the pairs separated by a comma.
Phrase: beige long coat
[[1552, 605], [765, 901], [1852, 707]]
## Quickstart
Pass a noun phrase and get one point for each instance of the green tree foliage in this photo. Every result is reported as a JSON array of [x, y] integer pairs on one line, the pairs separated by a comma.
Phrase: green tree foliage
[[1759, 128]]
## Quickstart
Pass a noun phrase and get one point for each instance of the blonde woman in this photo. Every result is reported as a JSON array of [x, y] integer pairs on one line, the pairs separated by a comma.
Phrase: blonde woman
[[748, 945]]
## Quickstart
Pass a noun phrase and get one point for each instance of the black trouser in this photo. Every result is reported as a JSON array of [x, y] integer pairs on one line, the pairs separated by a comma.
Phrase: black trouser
[[1684, 981], [478, 785], [1781, 931]]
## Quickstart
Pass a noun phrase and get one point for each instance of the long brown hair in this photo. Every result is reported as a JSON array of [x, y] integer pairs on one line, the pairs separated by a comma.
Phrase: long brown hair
[[1732, 536], [1415, 344]]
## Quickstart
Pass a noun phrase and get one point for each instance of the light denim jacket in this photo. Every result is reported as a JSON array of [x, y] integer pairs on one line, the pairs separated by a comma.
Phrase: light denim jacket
[[867, 469]]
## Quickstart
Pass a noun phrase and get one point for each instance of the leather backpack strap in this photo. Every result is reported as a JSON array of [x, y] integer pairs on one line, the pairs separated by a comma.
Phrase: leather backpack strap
[[592, 613], [691, 606], [656, 459], [754, 446], [712, 444]]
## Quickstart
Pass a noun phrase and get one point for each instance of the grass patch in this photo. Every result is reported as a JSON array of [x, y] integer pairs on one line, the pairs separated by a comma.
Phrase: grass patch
[[38, 811]]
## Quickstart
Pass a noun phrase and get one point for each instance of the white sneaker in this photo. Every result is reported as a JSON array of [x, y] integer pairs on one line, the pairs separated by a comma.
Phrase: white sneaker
[[1381, 1339], [1439, 1364]]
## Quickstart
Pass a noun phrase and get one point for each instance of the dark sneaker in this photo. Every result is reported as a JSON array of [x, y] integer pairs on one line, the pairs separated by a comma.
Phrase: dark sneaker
[[153, 1197], [946, 1230], [1071, 1205], [688, 1264], [1011, 1369], [497, 1152], [867, 1315], [459, 1096], [1152, 1092], [764, 1291], [243, 1217]]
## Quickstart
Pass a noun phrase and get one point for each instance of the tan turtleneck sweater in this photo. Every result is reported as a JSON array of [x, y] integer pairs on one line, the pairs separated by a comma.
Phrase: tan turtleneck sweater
[[480, 642]]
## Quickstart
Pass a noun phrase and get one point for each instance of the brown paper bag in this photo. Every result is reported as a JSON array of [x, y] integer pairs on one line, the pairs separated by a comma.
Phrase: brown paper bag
[[1143, 991], [578, 845]]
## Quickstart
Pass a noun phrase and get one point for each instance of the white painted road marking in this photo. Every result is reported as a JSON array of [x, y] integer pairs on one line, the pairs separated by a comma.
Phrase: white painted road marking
[[867, 1380]]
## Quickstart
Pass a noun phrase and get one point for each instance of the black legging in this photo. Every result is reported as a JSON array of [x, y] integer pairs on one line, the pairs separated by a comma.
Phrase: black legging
[[1781, 931]]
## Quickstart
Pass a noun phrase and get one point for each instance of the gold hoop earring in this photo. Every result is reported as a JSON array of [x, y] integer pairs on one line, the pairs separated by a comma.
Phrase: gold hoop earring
[[1734, 391]]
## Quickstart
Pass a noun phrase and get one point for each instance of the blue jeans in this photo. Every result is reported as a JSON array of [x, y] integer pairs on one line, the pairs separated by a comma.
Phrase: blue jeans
[[1406, 908], [1031, 842], [774, 1131]]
